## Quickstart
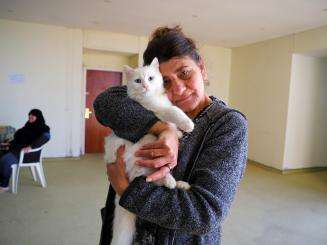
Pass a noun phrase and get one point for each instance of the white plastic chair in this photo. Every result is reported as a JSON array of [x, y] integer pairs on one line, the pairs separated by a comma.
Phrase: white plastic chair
[[35, 167]]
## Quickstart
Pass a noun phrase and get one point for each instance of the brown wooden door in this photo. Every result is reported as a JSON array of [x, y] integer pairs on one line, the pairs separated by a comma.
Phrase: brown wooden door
[[97, 82]]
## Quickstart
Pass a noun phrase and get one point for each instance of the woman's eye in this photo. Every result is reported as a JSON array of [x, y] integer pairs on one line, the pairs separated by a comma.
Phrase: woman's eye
[[138, 80], [166, 82], [185, 74], [150, 78]]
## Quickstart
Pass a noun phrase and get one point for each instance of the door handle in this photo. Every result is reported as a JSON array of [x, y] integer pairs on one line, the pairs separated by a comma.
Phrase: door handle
[[88, 112]]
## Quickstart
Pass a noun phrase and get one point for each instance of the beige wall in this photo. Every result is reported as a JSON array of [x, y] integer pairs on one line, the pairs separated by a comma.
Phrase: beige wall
[[133, 60], [217, 59], [308, 41], [260, 87], [109, 41], [306, 136], [49, 58], [218, 64], [106, 60]]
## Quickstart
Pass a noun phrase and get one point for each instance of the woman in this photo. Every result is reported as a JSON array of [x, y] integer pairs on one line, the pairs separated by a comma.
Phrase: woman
[[34, 134], [212, 158]]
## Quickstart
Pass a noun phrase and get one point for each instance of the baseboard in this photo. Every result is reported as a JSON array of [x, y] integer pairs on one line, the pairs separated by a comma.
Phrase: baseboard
[[304, 170], [287, 171], [51, 159]]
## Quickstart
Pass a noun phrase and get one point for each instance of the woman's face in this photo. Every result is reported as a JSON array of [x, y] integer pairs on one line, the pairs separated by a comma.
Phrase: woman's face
[[183, 79], [31, 118]]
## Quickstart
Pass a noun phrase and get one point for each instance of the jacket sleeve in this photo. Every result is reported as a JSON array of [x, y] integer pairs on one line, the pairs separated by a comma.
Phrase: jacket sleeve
[[214, 180], [44, 138], [127, 118]]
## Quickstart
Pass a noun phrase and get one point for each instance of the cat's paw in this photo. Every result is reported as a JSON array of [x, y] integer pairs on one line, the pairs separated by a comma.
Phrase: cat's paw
[[179, 134], [187, 125], [170, 181], [182, 185]]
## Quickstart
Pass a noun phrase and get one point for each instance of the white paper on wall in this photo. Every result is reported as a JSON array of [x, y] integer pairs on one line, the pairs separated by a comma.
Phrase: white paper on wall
[[16, 78]]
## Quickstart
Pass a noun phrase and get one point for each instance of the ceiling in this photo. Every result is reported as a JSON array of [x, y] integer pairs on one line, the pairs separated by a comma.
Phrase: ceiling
[[225, 23]]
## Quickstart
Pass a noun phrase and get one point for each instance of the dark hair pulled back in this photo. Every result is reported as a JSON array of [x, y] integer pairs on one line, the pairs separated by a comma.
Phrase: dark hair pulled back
[[166, 43]]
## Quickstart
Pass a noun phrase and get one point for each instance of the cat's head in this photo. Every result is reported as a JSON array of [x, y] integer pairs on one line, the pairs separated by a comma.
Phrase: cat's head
[[144, 81]]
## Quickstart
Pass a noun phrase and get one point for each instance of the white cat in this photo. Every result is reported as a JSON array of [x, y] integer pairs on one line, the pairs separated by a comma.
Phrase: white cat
[[144, 85]]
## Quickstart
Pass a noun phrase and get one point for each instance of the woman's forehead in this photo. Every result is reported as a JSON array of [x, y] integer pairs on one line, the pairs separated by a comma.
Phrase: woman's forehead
[[175, 64]]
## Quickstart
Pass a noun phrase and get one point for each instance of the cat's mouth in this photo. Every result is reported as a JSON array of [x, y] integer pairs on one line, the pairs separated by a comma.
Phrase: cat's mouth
[[145, 92]]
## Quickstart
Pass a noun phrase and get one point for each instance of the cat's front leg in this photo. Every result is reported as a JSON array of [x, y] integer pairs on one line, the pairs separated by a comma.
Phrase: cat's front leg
[[178, 117], [182, 185], [170, 182]]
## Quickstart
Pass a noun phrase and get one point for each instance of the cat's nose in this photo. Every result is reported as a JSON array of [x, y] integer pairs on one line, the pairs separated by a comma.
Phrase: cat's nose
[[145, 86]]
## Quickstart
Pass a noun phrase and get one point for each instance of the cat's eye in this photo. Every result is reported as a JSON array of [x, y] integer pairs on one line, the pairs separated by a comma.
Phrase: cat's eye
[[138, 80], [151, 78]]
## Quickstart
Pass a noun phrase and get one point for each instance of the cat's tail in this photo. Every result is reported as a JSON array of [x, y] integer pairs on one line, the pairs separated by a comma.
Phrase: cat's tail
[[123, 225]]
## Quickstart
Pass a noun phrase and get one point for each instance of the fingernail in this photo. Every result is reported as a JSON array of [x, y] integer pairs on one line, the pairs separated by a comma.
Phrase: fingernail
[[148, 179]]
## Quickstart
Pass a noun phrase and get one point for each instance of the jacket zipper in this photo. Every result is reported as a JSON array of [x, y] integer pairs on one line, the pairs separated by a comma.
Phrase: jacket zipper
[[197, 156], [189, 176]]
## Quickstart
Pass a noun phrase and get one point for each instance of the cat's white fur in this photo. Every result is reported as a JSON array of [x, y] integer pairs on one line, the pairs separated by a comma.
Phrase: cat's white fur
[[144, 85]]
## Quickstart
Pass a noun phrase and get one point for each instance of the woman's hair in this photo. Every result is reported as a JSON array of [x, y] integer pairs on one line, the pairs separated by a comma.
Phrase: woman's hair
[[166, 43], [38, 114]]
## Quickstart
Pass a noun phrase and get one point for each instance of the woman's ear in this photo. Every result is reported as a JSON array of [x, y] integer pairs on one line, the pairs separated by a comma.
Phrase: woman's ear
[[203, 69]]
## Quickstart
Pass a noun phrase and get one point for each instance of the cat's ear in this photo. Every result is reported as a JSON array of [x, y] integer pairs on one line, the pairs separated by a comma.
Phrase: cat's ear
[[155, 63], [129, 71]]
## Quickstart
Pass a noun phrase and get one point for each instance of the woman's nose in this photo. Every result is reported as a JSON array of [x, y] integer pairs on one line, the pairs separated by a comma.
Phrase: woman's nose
[[178, 87]]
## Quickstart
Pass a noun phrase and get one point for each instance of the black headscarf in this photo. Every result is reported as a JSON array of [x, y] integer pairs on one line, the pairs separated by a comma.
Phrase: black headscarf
[[31, 131]]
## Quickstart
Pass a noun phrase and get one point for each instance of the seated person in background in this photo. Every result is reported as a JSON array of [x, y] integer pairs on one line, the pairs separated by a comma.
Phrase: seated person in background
[[34, 134]]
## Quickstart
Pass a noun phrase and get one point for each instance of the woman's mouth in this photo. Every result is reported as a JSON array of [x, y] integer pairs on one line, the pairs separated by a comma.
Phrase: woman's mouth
[[184, 99]]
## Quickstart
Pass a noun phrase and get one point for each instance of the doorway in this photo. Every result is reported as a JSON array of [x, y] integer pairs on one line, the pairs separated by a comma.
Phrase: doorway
[[97, 81]]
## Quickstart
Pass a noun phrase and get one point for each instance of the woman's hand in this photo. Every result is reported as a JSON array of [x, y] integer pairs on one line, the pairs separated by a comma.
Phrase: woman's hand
[[116, 172], [161, 154], [27, 149]]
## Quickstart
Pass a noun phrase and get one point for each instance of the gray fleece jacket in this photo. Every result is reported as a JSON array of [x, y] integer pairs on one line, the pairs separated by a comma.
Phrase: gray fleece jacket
[[212, 159]]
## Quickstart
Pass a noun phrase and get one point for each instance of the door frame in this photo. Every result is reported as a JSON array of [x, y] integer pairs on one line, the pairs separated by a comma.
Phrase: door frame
[[85, 69]]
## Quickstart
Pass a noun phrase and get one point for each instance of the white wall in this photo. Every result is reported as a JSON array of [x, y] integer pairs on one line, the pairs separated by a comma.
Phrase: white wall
[[306, 136], [50, 60]]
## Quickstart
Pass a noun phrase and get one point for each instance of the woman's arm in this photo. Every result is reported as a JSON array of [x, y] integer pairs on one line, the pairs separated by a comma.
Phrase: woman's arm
[[213, 184], [127, 118], [44, 138]]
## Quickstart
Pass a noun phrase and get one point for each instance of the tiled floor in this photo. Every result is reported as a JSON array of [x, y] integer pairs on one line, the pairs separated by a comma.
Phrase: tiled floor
[[269, 209]]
